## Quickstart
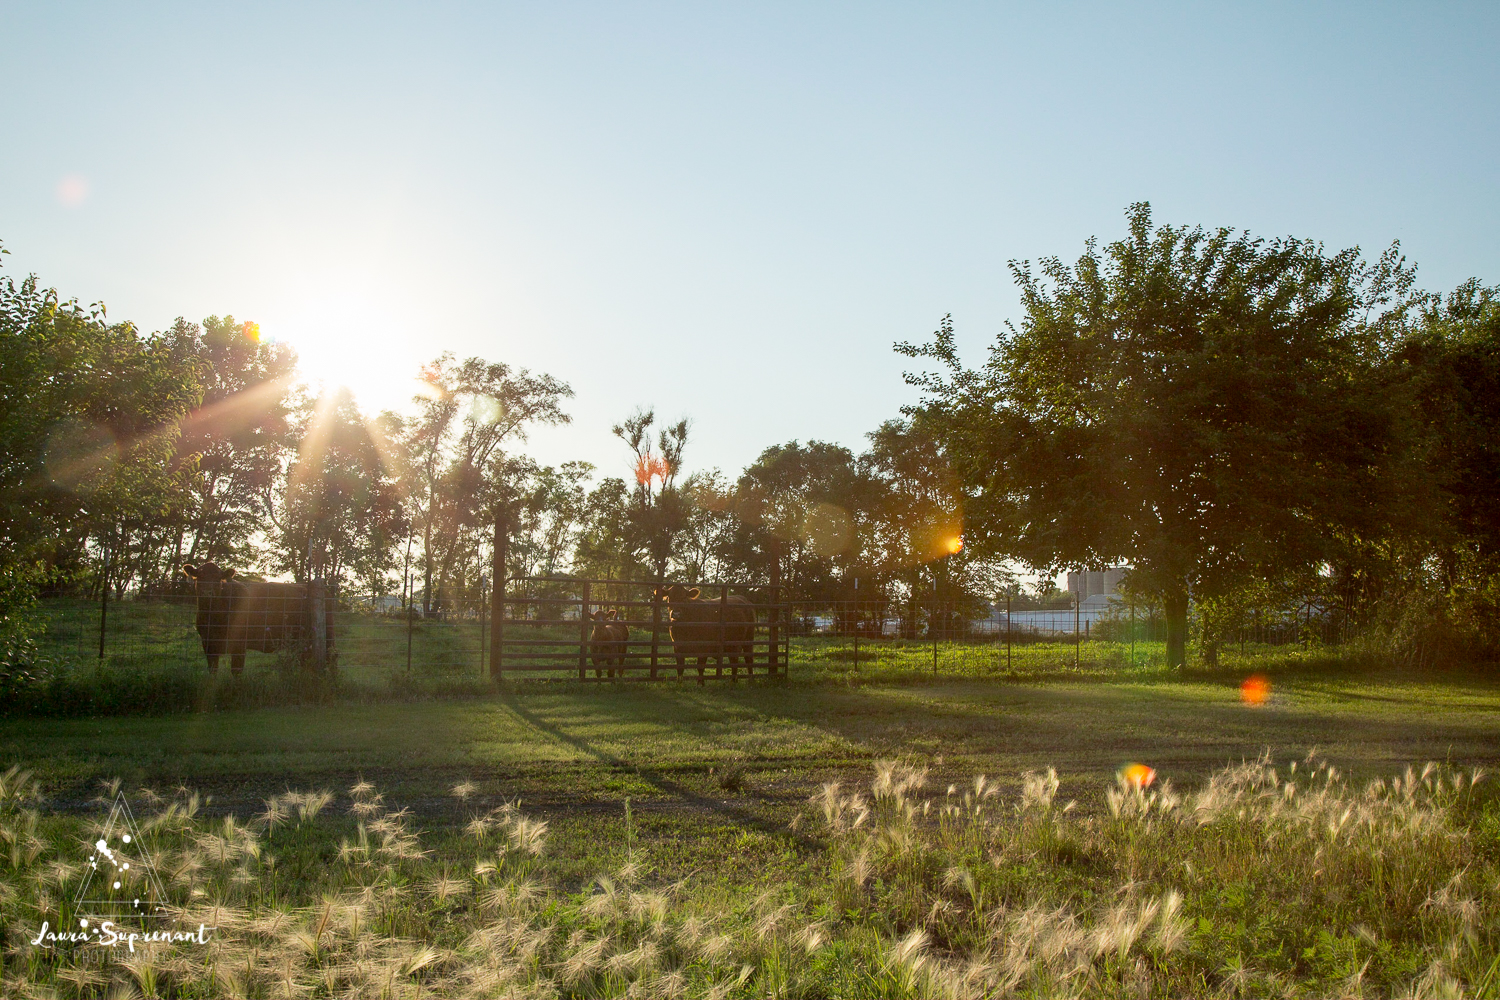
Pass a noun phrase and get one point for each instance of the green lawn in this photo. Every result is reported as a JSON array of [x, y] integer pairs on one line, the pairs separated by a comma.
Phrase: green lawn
[[578, 744]]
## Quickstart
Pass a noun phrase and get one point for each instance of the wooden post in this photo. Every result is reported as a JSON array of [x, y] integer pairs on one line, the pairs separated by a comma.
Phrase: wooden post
[[1077, 638], [497, 600], [317, 607], [583, 632], [1132, 633], [411, 614]]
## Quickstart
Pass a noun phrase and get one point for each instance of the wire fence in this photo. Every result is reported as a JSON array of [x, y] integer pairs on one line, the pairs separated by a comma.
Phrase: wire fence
[[621, 631]]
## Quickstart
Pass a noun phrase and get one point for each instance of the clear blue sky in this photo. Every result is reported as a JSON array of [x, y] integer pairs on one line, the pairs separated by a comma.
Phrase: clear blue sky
[[727, 212]]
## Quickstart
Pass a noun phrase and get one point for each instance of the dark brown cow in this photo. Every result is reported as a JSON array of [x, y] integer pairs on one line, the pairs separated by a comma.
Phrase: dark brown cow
[[235, 615], [607, 642], [697, 630]]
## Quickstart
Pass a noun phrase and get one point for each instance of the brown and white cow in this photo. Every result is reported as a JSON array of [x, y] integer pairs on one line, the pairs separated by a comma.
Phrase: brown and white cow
[[607, 643], [708, 628], [235, 615]]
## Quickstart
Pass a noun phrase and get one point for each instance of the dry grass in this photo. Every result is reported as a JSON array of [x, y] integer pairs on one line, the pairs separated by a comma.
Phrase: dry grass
[[1266, 881]]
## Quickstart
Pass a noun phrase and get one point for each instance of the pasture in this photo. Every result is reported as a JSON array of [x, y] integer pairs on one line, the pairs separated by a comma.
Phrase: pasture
[[676, 840], [864, 825]]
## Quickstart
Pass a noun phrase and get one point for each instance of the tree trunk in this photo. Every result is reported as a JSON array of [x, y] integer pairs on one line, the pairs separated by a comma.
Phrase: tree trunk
[[1175, 604]]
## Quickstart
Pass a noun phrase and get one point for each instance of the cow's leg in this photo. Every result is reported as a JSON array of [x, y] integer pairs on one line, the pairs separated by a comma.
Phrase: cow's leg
[[681, 662], [213, 662], [702, 669], [237, 663]]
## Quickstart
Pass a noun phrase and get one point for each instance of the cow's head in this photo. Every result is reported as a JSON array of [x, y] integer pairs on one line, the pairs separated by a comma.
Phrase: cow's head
[[603, 624], [677, 594], [207, 574]]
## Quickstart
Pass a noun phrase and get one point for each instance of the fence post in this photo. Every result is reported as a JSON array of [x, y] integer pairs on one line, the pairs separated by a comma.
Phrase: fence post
[[497, 600], [316, 591], [103, 601], [656, 627], [411, 614], [1077, 636], [1007, 632], [932, 621], [482, 623], [773, 615], [1132, 634], [856, 624], [734, 667], [583, 632]]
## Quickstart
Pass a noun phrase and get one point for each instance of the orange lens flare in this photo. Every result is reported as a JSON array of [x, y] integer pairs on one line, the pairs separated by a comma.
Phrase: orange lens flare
[[1256, 690], [1138, 775], [651, 467], [955, 545]]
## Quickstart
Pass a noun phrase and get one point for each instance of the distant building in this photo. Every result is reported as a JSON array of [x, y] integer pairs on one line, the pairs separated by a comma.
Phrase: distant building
[[1095, 588]]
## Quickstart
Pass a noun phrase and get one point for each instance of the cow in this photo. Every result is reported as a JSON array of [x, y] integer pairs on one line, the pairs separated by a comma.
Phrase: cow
[[698, 630], [607, 643], [236, 615]]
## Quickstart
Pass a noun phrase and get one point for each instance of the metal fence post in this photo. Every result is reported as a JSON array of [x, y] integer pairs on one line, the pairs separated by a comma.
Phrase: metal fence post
[[1007, 633], [856, 624], [103, 601], [318, 606], [482, 623], [773, 616], [1077, 636], [497, 600], [656, 628], [583, 632], [411, 613], [734, 667], [932, 622]]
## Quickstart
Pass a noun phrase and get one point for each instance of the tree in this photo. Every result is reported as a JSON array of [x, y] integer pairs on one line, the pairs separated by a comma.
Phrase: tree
[[658, 513], [1199, 403], [916, 522], [808, 499], [456, 460], [89, 421], [236, 443]]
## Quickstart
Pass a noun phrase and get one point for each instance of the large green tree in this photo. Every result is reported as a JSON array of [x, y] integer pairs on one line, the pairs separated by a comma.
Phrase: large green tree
[[1198, 403]]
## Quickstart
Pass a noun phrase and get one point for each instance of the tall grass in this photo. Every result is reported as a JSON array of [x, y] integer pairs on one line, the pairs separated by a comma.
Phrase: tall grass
[[1266, 881]]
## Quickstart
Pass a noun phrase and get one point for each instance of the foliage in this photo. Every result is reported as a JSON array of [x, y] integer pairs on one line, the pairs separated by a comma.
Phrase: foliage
[[1203, 404]]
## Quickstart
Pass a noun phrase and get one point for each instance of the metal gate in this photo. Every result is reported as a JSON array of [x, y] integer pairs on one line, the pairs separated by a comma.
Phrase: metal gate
[[547, 626]]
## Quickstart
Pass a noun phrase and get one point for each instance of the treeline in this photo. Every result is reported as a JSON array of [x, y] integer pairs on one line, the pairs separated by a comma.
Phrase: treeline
[[127, 455], [1259, 428]]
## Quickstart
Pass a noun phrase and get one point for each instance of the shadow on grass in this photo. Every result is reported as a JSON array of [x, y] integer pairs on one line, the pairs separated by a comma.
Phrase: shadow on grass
[[661, 782]]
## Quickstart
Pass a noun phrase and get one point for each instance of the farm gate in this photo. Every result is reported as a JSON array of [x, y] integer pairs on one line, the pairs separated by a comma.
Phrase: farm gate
[[544, 626]]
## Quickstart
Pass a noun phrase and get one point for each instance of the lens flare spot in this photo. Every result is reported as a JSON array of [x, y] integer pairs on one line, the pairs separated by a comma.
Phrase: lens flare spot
[[955, 545], [72, 190], [1138, 775], [1256, 690]]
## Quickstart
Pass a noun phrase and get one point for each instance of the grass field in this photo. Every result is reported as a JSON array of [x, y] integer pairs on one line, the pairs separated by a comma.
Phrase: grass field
[[373, 651], [755, 839]]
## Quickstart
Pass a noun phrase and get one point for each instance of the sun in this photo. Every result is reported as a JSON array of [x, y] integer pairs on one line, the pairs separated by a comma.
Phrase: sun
[[338, 346]]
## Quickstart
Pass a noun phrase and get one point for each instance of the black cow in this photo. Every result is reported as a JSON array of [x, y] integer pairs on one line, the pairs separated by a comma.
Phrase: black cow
[[235, 615]]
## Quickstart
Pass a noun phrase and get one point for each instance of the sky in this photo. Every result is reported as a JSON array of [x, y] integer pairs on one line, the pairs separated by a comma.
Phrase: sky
[[726, 212]]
